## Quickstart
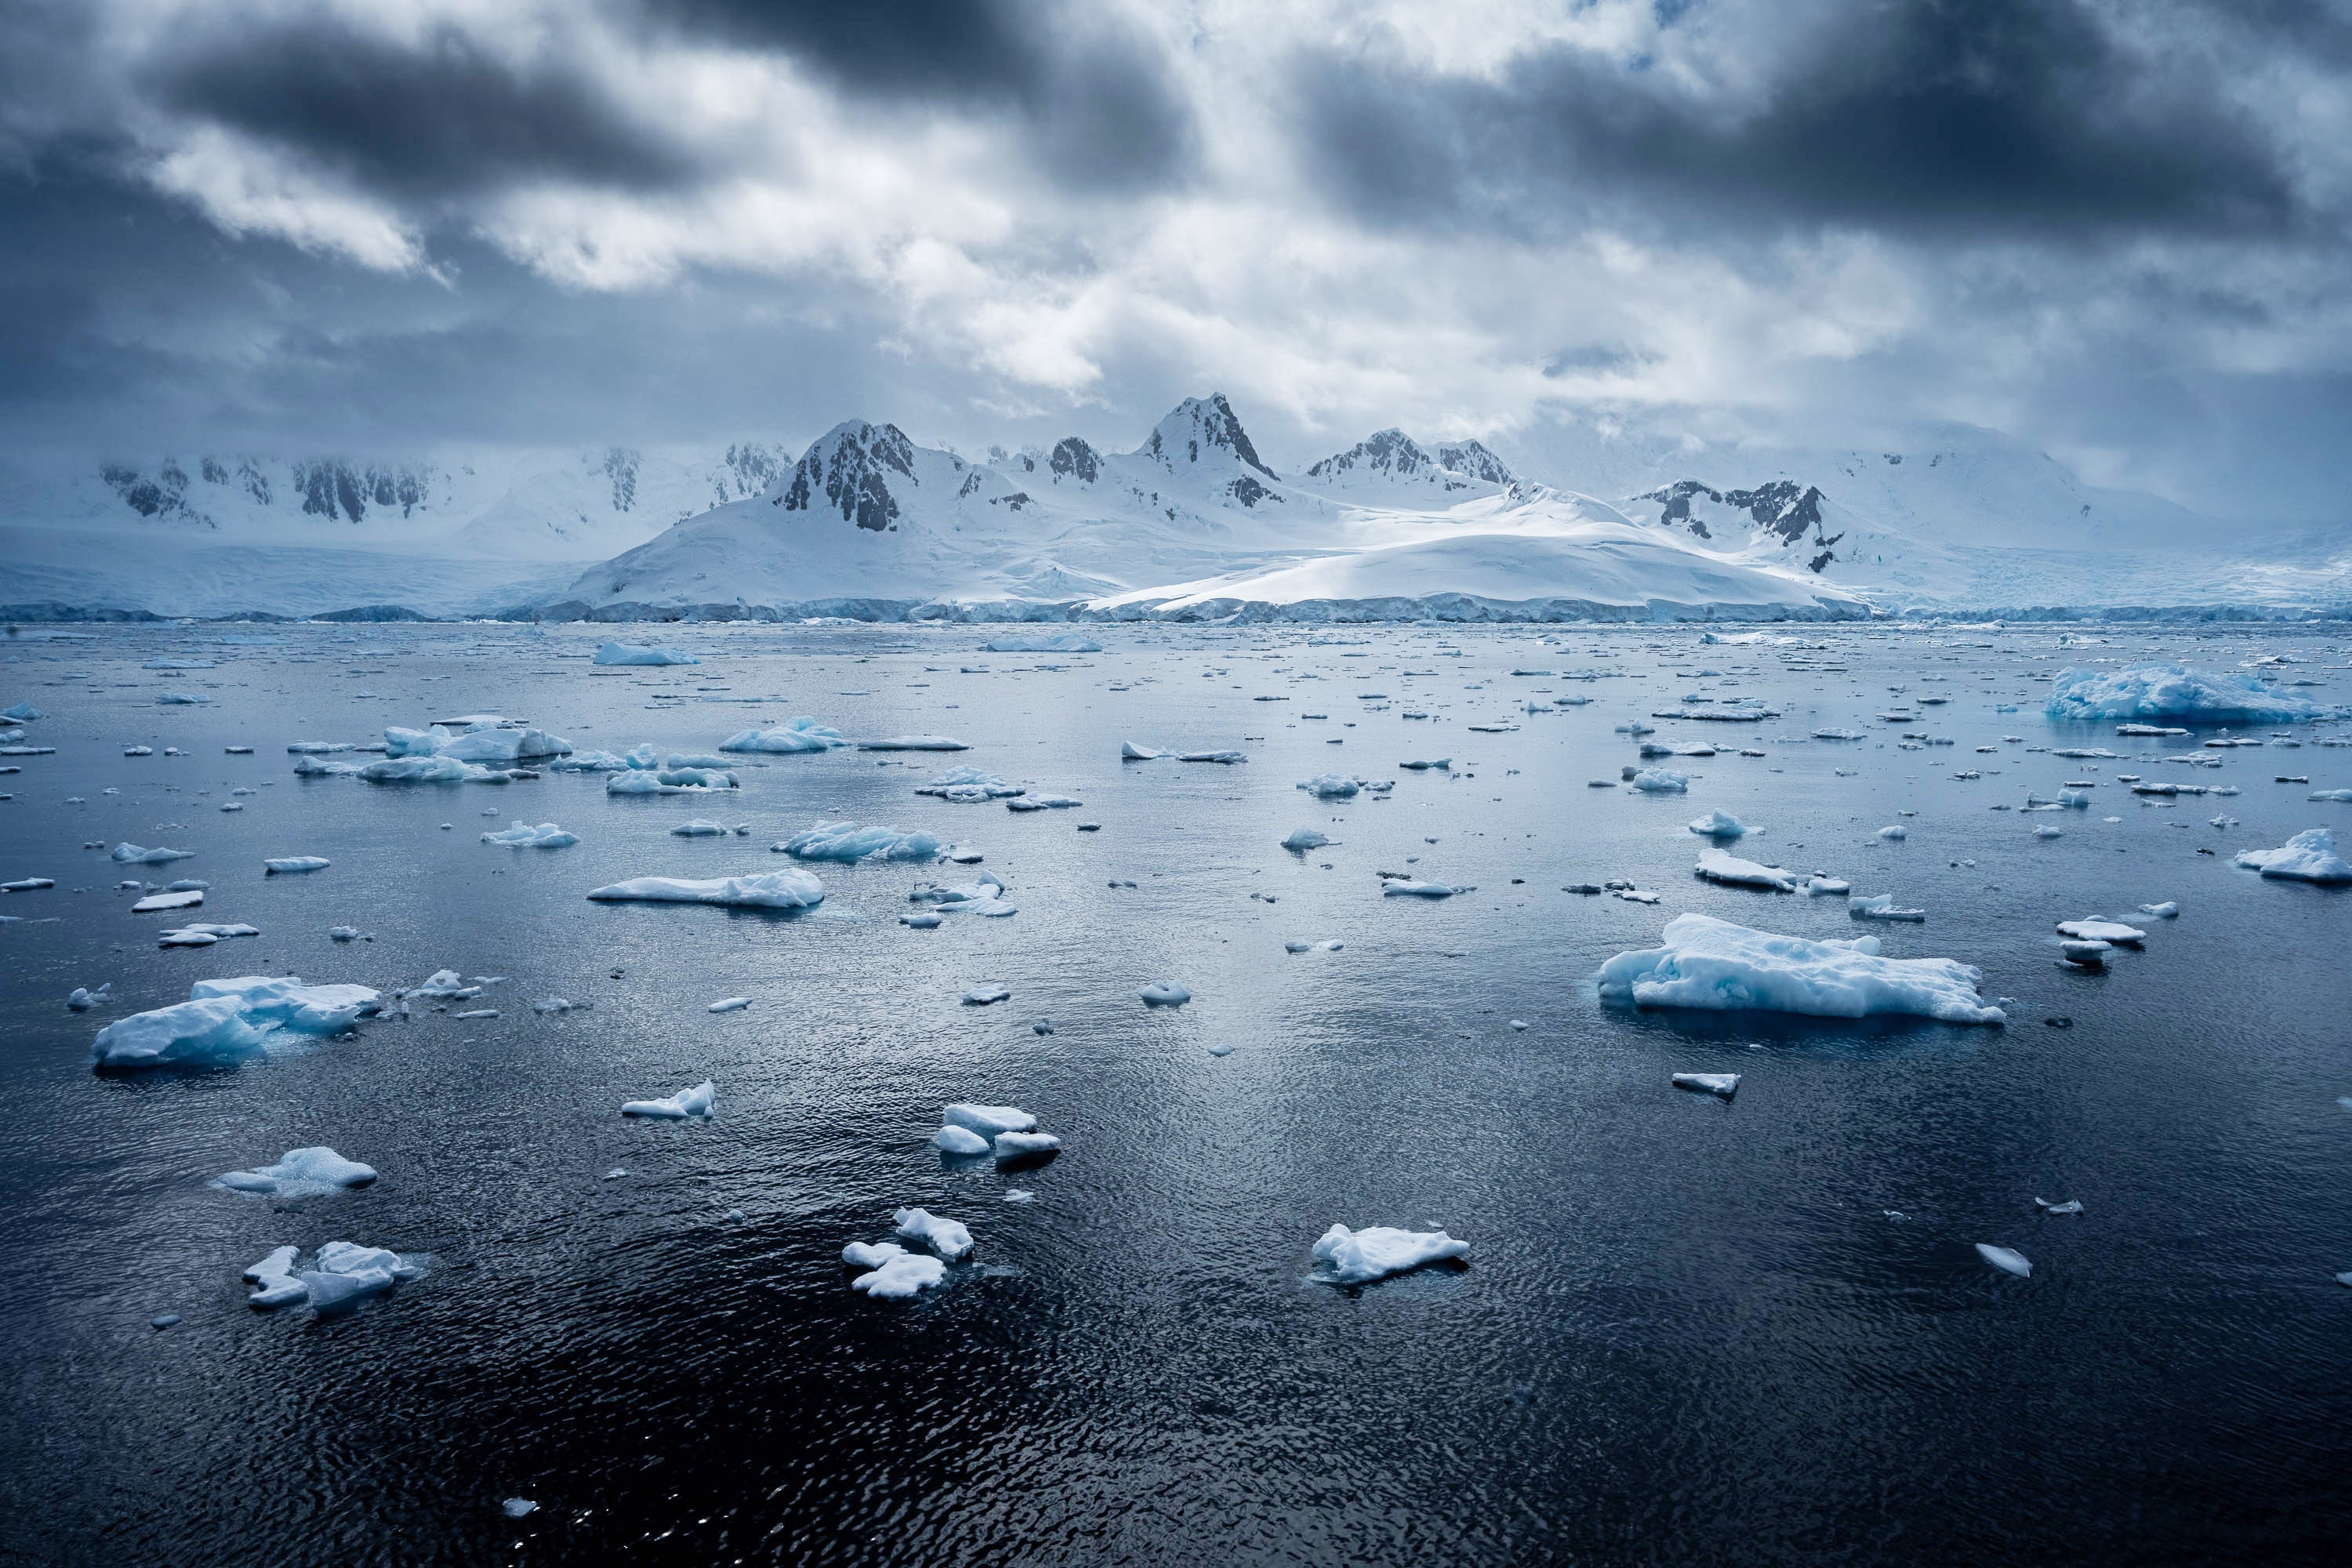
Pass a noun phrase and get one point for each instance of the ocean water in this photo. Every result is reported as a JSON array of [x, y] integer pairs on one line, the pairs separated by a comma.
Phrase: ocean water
[[1687, 1331]]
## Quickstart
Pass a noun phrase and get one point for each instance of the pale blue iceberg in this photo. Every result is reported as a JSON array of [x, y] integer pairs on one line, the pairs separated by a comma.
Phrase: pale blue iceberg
[[1712, 963]]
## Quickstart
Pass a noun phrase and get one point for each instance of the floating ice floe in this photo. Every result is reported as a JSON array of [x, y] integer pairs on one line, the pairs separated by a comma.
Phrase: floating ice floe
[[1712, 963], [2085, 953], [984, 896], [799, 735], [227, 1021], [1406, 887], [2308, 857], [987, 995], [1722, 865], [35, 884], [1332, 786], [2339, 796], [1331, 944], [1361, 1257], [1129, 751], [341, 1276], [701, 1101], [945, 1236], [1660, 780], [1025, 1145], [523, 835], [2096, 930], [2168, 910], [1165, 995], [2006, 1260], [964, 784], [894, 1273], [83, 1000], [1041, 802], [988, 1120], [1227, 758], [1719, 824], [729, 1005], [182, 698], [1726, 1084], [203, 936], [293, 865], [432, 770], [1882, 907], [959, 1141], [2149, 692], [622, 653], [667, 780], [2072, 1205], [1820, 887], [1304, 839], [913, 743], [22, 713], [1896, 832], [787, 889], [1051, 642], [300, 1173], [699, 830], [133, 855]]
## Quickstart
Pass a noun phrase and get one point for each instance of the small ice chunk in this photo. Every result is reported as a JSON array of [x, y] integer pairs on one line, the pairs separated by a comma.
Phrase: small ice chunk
[[950, 1239], [701, 1101], [953, 1140], [519, 1507], [699, 830], [133, 855], [300, 1173], [729, 1005], [2005, 1260], [1129, 751], [1359, 1256], [2113, 931], [82, 1000], [524, 836], [1719, 824], [801, 735], [1332, 786], [294, 863], [1880, 906], [871, 1254], [2168, 910], [1726, 1084], [913, 743], [988, 1120], [1896, 832], [1721, 865], [1660, 780], [1165, 995], [847, 842], [154, 902], [1406, 887], [621, 653], [2072, 1205], [2308, 857], [1304, 839], [1018, 1145], [982, 996]]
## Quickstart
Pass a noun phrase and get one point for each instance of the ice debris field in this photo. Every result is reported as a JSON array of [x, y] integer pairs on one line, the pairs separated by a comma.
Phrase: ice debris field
[[925, 875]]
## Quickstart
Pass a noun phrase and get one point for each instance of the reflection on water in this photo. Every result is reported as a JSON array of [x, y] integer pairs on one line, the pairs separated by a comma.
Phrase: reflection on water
[[1688, 1331]]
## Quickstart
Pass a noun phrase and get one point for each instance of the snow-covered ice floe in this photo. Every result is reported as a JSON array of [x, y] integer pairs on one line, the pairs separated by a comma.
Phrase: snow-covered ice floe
[[134, 855], [667, 780], [1166, 996], [2308, 857], [1660, 780], [300, 1173], [492, 742], [622, 653], [701, 1101], [788, 890], [984, 896], [913, 743], [1712, 963], [1882, 907], [227, 1021], [1025, 1145], [294, 865], [203, 936], [1361, 1257], [155, 902], [2114, 932], [343, 1275], [988, 1120], [1723, 867], [846, 841], [893, 1272], [1719, 824], [2145, 692], [1406, 887], [1304, 839], [800, 734], [947, 1238], [523, 835]]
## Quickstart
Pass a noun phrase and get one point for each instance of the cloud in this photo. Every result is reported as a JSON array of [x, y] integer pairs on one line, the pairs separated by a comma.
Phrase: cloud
[[2117, 231]]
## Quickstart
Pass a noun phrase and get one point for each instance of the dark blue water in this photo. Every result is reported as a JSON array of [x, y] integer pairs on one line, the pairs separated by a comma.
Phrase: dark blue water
[[1688, 1332]]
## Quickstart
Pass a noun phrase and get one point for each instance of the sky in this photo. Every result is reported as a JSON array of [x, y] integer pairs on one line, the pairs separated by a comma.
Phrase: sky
[[2116, 232]]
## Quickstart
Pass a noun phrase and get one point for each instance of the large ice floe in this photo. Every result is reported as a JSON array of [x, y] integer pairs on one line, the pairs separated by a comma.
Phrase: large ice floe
[[1712, 963], [983, 897], [2308, 857], [846, 841], [792, 889], [341, 1276], [493, 742], [1361, 1257], [2145, 693], [638, 780], [799, 735], [227, 1021], [622, 653], [1722, 865], [964, 784], [300, 1173]]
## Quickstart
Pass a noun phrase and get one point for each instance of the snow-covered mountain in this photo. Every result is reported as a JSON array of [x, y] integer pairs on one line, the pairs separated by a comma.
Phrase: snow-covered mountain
[[1193, 522]]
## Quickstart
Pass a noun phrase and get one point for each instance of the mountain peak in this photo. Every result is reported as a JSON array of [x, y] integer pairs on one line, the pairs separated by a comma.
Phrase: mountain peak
[[848, 470], [1473, 458], [1196, 430]]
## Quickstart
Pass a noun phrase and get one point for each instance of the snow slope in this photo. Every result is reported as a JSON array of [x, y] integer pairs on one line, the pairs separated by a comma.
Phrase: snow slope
[[1192, 521]]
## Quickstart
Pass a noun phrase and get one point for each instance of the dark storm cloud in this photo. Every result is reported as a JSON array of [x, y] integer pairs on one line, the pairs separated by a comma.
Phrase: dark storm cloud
[[1093, 96], [1923, 117], [441, 119]]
